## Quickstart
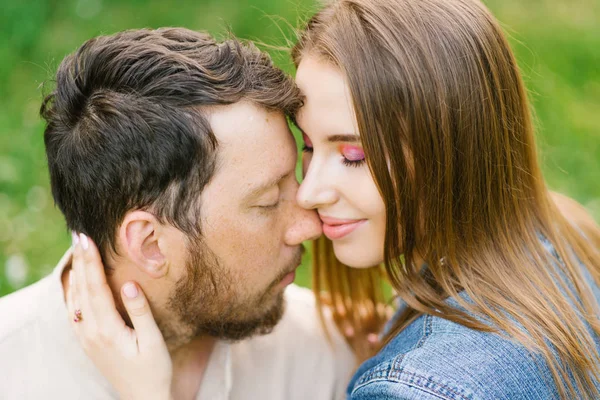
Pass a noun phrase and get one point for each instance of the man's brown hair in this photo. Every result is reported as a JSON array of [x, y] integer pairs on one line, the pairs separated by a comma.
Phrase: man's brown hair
[[126, 127]]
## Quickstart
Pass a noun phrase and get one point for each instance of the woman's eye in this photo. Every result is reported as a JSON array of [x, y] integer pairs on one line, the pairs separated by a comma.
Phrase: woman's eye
[[353, 156], [351, 163]]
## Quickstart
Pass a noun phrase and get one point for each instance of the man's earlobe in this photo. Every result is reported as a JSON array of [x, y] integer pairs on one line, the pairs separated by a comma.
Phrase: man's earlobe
[[139, 237]]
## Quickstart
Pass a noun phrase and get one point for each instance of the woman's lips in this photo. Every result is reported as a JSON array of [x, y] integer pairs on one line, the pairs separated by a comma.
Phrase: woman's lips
[[335, 228]]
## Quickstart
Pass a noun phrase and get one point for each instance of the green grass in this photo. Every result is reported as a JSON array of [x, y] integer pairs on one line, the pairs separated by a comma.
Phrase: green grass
[[557, 44]]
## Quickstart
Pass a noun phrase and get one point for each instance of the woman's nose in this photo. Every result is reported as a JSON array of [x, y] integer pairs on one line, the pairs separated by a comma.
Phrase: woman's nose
[[314, 191]]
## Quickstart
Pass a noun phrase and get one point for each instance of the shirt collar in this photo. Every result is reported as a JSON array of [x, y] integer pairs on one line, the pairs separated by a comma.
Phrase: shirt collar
[[217, 380]]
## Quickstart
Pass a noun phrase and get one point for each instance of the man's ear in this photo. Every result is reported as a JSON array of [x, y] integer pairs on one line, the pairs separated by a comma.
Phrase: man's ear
[[139, 239]]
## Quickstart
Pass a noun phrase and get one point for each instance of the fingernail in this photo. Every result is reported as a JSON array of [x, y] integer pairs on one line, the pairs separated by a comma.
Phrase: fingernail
[[75, 238], [84, 241], [130, 290]]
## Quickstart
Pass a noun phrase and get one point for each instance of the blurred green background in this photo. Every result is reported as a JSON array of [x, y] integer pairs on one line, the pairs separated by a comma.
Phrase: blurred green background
[[557, 44]]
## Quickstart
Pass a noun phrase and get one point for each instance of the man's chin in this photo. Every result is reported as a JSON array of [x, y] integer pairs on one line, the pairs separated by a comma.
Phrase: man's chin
[[227, 327], [237, 329]]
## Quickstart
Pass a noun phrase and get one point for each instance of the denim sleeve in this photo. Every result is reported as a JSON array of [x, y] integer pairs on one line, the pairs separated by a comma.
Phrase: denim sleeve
[[387, 390]]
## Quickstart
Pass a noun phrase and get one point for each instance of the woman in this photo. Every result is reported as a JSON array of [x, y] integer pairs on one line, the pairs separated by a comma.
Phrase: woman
[[420, 154]]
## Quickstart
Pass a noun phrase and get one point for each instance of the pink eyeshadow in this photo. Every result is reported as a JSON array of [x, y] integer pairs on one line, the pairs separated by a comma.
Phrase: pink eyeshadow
[[352, 153]]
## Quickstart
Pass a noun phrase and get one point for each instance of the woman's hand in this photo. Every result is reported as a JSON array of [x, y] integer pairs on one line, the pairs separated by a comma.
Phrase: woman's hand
[[135, 361]]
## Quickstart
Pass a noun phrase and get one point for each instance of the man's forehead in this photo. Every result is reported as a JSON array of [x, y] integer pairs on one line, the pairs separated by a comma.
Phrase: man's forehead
[[243, 124], [256, 147]]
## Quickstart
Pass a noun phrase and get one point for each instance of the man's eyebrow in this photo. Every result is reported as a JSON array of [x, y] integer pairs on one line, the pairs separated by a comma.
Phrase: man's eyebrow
[[259, 189]]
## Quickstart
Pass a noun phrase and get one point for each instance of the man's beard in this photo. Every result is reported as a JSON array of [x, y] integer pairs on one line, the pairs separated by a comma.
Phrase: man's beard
[[210, 301]]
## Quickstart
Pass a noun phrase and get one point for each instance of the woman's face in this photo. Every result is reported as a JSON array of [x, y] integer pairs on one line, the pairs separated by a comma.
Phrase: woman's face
[[337, 181]]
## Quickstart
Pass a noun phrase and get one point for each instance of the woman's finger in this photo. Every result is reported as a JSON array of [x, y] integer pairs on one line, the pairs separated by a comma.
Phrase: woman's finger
[[73, 299], [80, 297], [99, 295], [70, 302], [137, 307]]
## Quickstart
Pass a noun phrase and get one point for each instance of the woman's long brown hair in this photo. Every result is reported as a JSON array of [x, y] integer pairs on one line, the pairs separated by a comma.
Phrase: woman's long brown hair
[[447, 130]]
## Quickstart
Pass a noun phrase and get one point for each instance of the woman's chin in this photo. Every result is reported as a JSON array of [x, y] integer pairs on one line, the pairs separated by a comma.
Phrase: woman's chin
[[355, 257]]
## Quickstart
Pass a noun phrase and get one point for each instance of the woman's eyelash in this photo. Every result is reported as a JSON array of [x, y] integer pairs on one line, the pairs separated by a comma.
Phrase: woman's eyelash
[[353, 163], [349, 163]]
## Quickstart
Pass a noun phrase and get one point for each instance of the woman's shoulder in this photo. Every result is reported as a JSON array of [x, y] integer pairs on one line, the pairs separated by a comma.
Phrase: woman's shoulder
[[437, 359]]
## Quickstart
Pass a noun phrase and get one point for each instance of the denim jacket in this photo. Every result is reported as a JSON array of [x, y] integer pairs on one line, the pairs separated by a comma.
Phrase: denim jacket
[[435, 359]]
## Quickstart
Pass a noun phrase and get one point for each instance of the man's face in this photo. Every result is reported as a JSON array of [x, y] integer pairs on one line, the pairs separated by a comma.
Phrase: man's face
[[252, 231]]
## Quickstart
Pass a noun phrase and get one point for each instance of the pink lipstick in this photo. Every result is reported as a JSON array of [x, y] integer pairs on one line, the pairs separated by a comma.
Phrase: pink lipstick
[[335, 228]]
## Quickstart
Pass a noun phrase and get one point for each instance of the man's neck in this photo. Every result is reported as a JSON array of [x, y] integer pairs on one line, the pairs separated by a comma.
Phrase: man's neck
[[189, 365]]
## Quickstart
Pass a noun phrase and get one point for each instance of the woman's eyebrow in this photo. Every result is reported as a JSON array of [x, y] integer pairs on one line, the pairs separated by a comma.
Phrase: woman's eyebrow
[[341, 137], [344, 137]]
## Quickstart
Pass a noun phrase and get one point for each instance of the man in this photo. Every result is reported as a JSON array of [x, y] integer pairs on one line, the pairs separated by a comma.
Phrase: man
[[172, 152]]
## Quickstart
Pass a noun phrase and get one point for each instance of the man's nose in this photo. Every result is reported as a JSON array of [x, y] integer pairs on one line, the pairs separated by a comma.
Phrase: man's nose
[[306, 226]]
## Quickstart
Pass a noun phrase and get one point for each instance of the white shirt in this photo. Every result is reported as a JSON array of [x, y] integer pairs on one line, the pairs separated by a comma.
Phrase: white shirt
[[41, 358]]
